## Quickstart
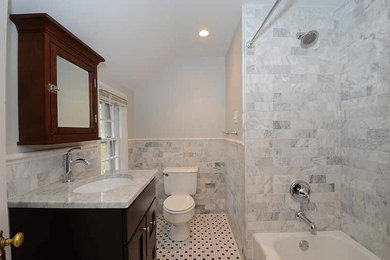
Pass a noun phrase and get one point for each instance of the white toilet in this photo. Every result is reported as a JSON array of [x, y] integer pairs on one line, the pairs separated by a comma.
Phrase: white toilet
[[180, 183]]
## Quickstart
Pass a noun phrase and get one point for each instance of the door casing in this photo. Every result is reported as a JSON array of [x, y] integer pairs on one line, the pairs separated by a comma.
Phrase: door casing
[[3, 176]]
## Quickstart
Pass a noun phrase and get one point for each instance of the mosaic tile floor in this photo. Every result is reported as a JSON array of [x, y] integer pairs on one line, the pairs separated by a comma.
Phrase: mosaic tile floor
[[211, 238]]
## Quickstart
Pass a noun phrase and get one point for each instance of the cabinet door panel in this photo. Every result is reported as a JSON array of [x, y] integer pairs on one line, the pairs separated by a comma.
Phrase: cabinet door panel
[[136, 248], [152, 228], [79, 108], [138, 208]]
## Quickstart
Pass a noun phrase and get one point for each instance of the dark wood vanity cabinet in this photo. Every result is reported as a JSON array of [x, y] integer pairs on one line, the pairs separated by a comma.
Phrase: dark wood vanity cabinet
[[57, 83], [83, 234], [142, 244]]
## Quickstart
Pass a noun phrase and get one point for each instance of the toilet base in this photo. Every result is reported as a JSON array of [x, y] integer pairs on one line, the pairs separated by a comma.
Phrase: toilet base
[[179, 232]]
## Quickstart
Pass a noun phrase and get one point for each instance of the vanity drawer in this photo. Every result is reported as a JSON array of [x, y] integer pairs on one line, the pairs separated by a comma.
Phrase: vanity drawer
[[135, 213]]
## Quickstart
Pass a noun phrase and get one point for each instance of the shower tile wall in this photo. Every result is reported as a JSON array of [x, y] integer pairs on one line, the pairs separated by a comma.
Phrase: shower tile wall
[[235, 190], [211, 194], [293, 120], [43, 168], [364, 39]]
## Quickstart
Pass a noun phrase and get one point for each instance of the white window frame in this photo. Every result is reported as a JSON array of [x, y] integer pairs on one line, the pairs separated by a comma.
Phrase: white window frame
[[114, 157], [122, 142]]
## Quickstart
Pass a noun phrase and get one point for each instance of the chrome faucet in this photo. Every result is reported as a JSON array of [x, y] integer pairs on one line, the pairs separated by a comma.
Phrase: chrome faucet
[[300, 192], [301, 216], [69, 163]]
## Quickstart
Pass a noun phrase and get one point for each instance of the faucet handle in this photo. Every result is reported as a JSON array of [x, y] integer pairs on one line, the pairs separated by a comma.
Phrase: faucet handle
[[72, 149], [300, 191]]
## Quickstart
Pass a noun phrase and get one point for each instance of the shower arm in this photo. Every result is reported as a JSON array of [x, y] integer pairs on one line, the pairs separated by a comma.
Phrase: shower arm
[[254, 38]]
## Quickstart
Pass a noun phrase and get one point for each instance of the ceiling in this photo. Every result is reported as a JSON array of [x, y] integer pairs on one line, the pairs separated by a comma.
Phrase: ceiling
[[136, 37]]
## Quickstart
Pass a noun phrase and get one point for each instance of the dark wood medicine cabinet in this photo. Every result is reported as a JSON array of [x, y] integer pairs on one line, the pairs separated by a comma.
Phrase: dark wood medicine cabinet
[[57, 83]]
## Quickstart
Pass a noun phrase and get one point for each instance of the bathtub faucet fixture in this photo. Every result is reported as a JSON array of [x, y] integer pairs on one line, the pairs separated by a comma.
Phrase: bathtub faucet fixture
[[300, 192], [301, 216]]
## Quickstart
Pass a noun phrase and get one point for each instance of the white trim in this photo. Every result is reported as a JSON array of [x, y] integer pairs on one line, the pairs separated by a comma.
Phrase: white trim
[[243, 72], [123, 161], [177, 139], [110, 158], [185, 139], [4, 14], [104, 86], [234, 141], [106, 140], [17, 157], [123, 143]]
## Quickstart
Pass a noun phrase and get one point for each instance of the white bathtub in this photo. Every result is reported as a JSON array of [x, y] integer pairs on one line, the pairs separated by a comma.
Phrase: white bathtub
[[326, 245]]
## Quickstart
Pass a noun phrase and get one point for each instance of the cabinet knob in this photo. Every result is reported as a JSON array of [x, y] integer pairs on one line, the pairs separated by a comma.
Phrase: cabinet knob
[[16, 241], [153, 223]]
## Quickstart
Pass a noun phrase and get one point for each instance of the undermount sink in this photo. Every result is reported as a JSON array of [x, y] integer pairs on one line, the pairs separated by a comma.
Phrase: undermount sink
[[104, 185]]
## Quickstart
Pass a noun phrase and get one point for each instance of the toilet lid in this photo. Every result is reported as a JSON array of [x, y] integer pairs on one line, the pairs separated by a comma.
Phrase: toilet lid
[[179, 202]]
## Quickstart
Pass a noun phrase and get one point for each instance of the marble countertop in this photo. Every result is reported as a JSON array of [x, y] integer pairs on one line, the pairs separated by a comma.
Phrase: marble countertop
[[61, 195]]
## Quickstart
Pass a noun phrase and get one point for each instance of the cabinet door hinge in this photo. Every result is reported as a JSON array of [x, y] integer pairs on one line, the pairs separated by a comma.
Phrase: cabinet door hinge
[[53, 88], [95, 82], [95, 118]]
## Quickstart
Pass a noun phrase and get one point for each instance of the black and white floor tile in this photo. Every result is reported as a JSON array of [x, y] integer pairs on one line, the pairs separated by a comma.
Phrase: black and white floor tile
[[211, 239]]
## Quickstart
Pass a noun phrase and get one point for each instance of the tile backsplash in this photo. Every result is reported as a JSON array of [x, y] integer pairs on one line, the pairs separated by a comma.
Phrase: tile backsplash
[[221, 182], [210, 197], [29, 171]]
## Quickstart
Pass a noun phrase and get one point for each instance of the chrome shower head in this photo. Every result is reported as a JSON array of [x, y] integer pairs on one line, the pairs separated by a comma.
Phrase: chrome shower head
[[308, 39]]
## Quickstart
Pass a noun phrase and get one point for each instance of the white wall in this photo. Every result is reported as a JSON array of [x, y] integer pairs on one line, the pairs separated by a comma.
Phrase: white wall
[[234, 84], [185, 99], [3, 179], [12, 130]]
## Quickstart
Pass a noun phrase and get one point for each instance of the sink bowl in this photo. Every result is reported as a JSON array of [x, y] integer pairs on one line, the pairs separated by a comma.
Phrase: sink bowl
[[103, 185]]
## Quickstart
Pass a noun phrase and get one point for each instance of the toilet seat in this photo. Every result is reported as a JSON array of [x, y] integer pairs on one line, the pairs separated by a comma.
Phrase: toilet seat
[[179, 204]]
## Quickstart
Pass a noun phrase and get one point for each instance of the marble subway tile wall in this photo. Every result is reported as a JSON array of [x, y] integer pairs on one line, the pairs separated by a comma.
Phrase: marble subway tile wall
[[364, 40], [202, 153], [235, 191], [29, 171], [292, 120]]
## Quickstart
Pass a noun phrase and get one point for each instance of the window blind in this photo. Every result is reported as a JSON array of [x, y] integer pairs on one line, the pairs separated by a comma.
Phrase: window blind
[[112, 98]]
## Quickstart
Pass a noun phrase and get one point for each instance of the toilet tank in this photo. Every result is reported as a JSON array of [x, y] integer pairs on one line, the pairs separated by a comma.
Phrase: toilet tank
[[180, 180]]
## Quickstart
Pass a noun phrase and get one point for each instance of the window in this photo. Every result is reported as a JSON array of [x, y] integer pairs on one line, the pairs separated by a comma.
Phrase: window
[[110, 133], [113, 129]]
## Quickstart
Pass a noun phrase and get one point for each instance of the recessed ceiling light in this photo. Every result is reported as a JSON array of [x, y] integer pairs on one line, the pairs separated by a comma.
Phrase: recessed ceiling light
[[204, 33]]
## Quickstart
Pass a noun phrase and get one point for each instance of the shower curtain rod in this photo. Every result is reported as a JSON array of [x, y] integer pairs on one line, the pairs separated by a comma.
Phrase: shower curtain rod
[[254, 38]]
